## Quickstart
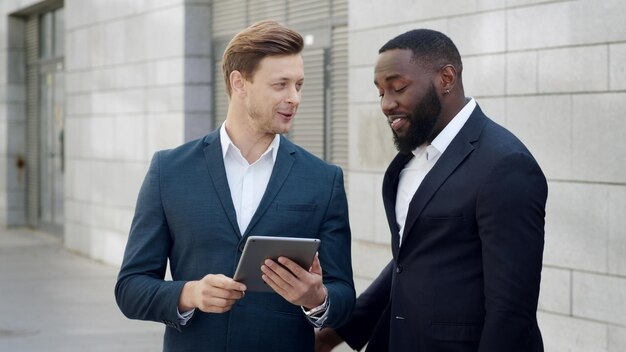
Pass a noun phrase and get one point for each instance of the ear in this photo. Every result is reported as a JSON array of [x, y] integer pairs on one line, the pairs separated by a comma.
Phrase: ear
[[237, 83], [448, 77]]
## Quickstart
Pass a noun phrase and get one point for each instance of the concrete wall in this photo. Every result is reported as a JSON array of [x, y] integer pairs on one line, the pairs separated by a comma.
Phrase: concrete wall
[[553, 73], [138, 80]]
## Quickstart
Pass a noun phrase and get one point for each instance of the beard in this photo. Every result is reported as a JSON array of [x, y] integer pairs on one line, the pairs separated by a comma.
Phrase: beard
[[422, 122], [263, 121]]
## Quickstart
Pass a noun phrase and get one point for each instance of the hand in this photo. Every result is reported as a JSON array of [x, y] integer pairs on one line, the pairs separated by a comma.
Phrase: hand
[[295, 284], [326, 339], [211, 294]]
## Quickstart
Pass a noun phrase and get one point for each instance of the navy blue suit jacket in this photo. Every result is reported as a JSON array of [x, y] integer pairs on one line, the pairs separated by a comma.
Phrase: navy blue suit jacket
[[466, 277], [185, 214]]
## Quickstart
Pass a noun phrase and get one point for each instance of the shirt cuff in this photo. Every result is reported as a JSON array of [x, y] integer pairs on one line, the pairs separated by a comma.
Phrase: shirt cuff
[[317, 316], [184, 317]]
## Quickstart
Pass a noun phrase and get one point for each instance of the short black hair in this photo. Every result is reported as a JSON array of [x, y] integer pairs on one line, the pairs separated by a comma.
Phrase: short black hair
[[430, 48]]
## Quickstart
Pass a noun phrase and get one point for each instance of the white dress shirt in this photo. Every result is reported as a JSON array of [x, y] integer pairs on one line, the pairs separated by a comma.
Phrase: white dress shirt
[[247, 182], [425, 157]]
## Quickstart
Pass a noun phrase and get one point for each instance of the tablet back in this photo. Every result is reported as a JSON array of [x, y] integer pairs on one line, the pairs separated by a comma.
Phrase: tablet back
[[259, 248]]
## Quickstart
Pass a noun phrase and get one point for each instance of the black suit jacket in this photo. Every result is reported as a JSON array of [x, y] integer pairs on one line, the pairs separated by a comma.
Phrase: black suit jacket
[[466, 277]]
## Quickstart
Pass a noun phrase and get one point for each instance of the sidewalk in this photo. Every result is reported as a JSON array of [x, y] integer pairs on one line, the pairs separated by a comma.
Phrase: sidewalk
[[53, 300]]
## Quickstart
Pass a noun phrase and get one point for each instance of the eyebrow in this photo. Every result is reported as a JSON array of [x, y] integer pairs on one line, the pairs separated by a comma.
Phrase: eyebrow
[[389, 78], [288, 79]]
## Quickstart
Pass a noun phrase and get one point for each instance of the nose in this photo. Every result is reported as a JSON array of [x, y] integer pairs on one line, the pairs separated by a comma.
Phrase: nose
[[388, 104], [293, 96]]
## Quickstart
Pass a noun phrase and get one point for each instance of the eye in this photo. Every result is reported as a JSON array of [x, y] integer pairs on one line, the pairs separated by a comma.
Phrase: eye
[[400, 90], [280, 85], [299, 86]]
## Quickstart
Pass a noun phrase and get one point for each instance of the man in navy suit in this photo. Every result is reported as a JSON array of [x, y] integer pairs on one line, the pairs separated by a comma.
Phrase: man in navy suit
[[465, 202], [200, 202]]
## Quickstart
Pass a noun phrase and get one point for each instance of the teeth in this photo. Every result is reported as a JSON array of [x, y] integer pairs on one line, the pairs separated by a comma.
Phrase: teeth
[[395, 117]]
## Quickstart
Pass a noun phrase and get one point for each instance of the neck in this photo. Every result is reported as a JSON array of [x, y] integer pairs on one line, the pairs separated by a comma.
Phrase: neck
[[250, 142], [449, 109]]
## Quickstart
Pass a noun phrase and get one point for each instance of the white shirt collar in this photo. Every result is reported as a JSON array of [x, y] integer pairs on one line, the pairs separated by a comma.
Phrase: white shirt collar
[[227, 143], [445, 137]]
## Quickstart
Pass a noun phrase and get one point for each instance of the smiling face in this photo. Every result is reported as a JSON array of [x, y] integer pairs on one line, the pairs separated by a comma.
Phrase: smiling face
[[408, 98], [273, 93]]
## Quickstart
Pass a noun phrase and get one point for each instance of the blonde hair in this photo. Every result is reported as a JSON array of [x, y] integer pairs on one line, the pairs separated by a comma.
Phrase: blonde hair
[[250, 46]]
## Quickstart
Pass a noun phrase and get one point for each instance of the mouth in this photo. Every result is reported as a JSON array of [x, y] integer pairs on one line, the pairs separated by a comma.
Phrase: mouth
[[397, 121], [286, 115]]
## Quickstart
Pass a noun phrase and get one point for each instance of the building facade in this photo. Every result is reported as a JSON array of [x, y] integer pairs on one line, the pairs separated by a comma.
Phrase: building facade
[[90, 89]]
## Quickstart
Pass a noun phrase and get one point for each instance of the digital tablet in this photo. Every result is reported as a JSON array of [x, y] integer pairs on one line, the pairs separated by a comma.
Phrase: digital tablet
[[259, 248]]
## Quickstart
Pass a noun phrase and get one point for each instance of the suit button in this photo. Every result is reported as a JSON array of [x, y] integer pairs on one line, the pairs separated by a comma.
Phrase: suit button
[[399, 269]]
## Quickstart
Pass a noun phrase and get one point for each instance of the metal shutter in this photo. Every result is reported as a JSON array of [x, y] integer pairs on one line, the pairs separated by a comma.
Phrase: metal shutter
[[266, 9], [306, 11], [32, 121], [339, 98], [308, 127], [220, 96], [340, 10], [229, 17]]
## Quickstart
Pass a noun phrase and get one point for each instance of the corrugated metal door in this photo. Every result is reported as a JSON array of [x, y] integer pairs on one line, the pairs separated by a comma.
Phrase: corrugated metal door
[[306, 11], [308, 130], [338, 121], [220, 96], [229, 17], [267, 9]]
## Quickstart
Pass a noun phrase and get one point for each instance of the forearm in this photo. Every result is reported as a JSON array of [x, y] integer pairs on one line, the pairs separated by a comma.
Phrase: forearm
[[335, 255], [368, 310], [140, 297]]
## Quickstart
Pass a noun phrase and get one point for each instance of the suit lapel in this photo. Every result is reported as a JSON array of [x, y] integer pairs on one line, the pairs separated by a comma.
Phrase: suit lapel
[[460, 147], [215, 163], [390, 191], [282, 167]]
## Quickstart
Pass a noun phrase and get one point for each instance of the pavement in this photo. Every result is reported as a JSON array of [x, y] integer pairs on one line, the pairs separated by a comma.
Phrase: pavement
[[53, 300]]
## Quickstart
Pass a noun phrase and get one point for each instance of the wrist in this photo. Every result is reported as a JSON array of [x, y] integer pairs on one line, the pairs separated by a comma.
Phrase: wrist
[[312, 311], [186, 299]]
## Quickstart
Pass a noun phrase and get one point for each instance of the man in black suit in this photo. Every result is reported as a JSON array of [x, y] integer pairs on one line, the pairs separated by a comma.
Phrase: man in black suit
[[465, 201]]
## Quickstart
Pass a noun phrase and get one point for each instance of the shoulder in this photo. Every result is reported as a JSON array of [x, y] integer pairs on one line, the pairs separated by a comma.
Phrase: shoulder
[[495, 146], [190, 147], [505, 152], [190, 152], [498, 142]]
